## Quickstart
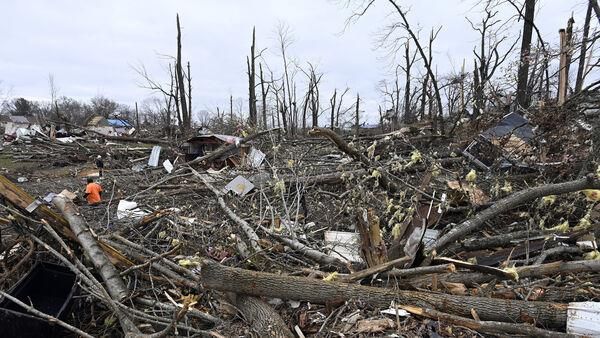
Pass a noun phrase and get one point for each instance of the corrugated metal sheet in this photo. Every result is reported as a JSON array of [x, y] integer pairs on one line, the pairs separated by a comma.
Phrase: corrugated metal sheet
[[583, 319], [154, 155]]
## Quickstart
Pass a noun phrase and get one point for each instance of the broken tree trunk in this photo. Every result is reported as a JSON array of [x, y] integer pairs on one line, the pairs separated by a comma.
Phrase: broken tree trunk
[[372, 246], [219, 277], [316, 255], [110, 275], [510, 202]]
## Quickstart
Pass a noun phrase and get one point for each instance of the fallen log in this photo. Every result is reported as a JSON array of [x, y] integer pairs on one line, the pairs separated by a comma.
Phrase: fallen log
[[110, 275], [219, 277], [21, 199], [509, 203], [484, 326]]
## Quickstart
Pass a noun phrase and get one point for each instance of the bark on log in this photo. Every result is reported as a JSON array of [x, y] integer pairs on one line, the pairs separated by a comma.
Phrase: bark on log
[[262, 318], [216, 276], [510, 203], [484, 326]]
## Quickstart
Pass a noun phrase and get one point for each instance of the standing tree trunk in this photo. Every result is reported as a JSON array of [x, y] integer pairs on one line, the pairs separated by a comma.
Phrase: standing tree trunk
[[584, 38], [185, 118], [332, 101], [407, 114], [231, 108], [253, 119], [522, 91], [264, 93], [137, 117], [594, 4], [357, 115], [189, 94]]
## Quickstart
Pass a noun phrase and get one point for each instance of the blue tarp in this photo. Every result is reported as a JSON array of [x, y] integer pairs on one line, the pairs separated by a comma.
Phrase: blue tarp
[[117, 123]]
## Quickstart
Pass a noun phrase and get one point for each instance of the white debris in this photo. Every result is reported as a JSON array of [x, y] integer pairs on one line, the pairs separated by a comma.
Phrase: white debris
[[583, 318], [239, 185], [129, 209], [343, 245], [154, 155], [168, 166]]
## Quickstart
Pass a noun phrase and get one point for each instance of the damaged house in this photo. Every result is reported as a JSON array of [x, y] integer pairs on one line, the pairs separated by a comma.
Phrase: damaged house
[[201, 145], [16, 126], [110, 127]]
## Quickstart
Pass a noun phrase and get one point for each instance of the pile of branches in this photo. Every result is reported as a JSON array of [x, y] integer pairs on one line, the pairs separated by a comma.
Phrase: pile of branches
[[493, 252]]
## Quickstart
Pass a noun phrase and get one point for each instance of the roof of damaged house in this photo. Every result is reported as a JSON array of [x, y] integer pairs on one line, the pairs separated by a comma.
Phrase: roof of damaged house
[[101, 121], [19, 119], [216, 137], [119, 123], [511, 124]]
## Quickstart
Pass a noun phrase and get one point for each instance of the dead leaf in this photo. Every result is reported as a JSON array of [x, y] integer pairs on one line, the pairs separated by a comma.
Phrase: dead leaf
[[373, 326], [461, 192], [455, 288]]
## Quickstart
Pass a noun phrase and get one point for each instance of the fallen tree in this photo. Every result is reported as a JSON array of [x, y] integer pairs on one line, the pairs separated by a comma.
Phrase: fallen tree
[[219, 277], [110, 275], [509, 203]]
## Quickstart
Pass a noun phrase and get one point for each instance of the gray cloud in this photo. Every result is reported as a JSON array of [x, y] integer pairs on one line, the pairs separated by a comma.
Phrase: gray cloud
[[90, 46]]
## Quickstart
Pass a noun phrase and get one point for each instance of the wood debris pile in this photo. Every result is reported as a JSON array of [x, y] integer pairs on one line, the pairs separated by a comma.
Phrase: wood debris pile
[[400, 233]]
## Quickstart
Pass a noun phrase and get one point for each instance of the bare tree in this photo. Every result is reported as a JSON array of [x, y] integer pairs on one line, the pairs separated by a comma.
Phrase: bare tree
[[409, 61], [285, 40], [250, 60], [185, 115], [522, 92], [168, 92], [584, 40], [54, 96], [488, 58], [357, 116], [264, 92]]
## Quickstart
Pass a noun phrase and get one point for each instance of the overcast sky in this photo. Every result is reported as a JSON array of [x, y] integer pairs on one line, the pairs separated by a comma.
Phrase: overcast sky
[[91, 46]]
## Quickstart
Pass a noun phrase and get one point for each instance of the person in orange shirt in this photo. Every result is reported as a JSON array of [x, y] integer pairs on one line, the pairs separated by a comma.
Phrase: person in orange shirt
[[93, 192]]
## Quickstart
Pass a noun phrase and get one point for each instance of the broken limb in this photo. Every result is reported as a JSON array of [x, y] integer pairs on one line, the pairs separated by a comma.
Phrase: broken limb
[[492, 327], [422, 270], [192, 312], [548, 269], [219, 277], [385, 179], [509, 203], [40, 314], [316, 255], [250, 233], [353, 277]]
